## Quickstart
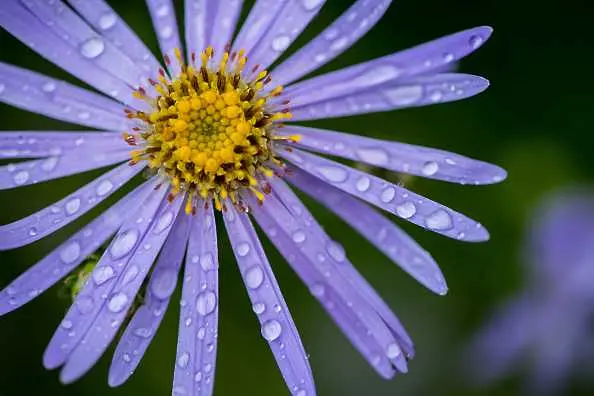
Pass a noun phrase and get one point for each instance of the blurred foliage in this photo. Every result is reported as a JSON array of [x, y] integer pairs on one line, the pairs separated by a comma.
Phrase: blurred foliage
[[534, 121]]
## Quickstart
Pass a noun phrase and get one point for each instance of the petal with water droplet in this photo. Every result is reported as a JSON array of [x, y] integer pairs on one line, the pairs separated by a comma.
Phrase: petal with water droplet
[[165, 24]]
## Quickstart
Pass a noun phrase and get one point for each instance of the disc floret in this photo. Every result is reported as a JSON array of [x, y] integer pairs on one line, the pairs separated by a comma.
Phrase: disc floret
[[211, 129]]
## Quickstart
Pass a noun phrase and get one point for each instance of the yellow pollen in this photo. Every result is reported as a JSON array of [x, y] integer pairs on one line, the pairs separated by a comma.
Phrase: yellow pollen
[[210, 130]]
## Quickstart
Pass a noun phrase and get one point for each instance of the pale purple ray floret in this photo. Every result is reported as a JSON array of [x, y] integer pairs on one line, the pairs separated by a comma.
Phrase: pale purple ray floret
[[149, 240], [548, 322]]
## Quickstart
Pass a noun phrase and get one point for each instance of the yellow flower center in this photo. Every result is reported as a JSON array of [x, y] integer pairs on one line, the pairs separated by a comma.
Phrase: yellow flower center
[[210, 130]]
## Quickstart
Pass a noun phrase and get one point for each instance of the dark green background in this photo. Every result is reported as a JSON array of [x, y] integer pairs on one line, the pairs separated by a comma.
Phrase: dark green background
[[535, 121]]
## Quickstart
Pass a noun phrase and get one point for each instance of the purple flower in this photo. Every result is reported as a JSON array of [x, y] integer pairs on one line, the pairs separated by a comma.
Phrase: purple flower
[[550, 320], [212, 132]]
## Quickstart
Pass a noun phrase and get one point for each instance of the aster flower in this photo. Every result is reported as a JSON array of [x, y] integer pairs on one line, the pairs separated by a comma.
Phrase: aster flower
[[211, 131], [548, 323]]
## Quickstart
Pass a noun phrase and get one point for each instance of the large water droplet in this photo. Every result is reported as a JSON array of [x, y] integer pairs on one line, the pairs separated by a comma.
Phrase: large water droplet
[[374, 156], [254, 277], [183, 360], [310, 5], [439, 220], [476, 41], [70, 253], [271, 330], [48, 87], [333, 174], [20, 177], [318, 289], [124, 244], [104, 187], [102, 274], [403, 96], [207, 262], [107, 21], [281, 43], [388, 194], [92, 48], [117, 302], [406, 210], [142, 332], [84, 304], [162, 11], [49, 164], [363, 184], [243, 249], [72, 206], [164, 221], [336, 251], [163, 283], [393, 351], [299, 237], [130, 274], [376, 76], [166, 32], [259, 308], [430, 168], [206, 302], [66, 324]]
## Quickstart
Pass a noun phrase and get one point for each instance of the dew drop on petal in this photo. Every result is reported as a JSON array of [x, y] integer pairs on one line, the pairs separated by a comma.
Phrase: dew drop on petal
[[163, 283], [243, 249], [72, 206], [363, 184], [207, 262], [299, 237], [311, 5], [336, 251], [117, 302], [271, 330], [183, 360], [102, 274], [107, 21], [104, 187], [84, 304], [142, 332], [70, 253], [439, 220], [393, 351], [318, 289], [124, 243], [254, 277], [48, 86], [49, 164], [164, 222], [206, 302], [476, 41], [374, 156], [406, 210], [258, 308], [333, 174], [430, 168], [21, 177], [92, 48], [403, 96], [281, 43], [388, 195]]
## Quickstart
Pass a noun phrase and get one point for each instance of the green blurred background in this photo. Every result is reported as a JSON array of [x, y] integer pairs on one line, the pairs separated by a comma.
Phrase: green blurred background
[[534, 121]]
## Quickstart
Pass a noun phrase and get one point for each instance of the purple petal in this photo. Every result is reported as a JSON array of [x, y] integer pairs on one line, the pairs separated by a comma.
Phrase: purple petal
[[106, 21], [120, 297], [165, 24], [223, 25], [380, 231], [415, 160], [40, 170], [57, 99], [425, 59], [145, 322], [80, 62], [68, 255], [337, 38], [338, 256], [414, 92], [91, 299], [282, 30], [313, 258], [68, 25], [269, 305], [260, 19], [390, 197], [198, 321], [38, 144], [46, 221]]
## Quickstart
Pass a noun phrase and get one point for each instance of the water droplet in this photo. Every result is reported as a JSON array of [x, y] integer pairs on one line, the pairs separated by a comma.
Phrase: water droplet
[[206, 302], [374, 156], [207, 262], [166, 32], [476, 41], [107, 21], [67, 324], [183, 360], [310, 5], [92, 48], [333, 174], [336, 251], [163, 283], [198, 376], [142, 332], [363, 184], [259, 308], [70, 253], [49, 164], [301, 392], [243, 249], [21, 177], [207, 367], [318, 289], [281, 43], [104, 187], [201, 333], [299, 237], [130, 274], [339, 44], [163, 11], [406, 210], [439, 220], [84, 304], [102, 274], [33, 231], [254, 277], [388, 194], [271, 330], [72, 206], [393, 351], [126, 358], [403, 96], [164, 222], [430, 168], [436, 96], [48, 87], [448, 57], [117, 302], [124, 244]]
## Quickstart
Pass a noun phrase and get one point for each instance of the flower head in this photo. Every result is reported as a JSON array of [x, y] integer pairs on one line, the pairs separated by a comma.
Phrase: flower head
[[214, 132], [549, 321]]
